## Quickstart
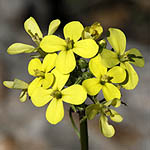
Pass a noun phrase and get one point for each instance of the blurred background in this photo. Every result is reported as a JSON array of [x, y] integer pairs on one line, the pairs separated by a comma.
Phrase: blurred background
[[23, 126]]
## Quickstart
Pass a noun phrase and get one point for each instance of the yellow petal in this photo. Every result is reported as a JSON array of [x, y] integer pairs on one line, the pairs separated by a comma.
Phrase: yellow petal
[[107, 130], [18, 48], [32, 28], [116, 116], [132, 76], [74, 94], [117, 40], [109, 58], [86, 48], [114, 102], [55, 111], [41, 96], [34, 64], [37, 82], [110, 91], [48, 80], [53, 26], [92, 86], [118, 74], [96, 66], [138, 59], [73, 30], [49, 62], [52, 43], [65, 62], [59, 79]]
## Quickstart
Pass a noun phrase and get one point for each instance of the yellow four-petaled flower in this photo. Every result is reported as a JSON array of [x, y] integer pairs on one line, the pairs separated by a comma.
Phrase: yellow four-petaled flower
[[104, 79], [42, 72], [74, 94], [66, 61]]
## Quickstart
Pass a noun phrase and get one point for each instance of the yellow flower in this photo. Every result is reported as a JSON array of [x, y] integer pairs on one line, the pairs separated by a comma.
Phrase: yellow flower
[[104, 111], [74, 94], [42, 72], [107, 129], [104, 79], [66, 62], [32, 28], [117, 40]]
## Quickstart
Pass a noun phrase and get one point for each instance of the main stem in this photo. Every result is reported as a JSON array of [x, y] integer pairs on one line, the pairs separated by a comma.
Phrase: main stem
[[83, 131]]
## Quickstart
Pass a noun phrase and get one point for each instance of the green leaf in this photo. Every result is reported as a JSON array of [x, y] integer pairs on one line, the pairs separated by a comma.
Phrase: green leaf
[[109, 58], [132, 76], [107, 130], [136, 57], [18, 48], [92, 110], [117, 40], [53, 26]]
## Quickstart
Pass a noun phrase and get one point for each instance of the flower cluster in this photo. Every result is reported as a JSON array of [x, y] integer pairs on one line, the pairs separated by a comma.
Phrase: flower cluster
[[76, 68]]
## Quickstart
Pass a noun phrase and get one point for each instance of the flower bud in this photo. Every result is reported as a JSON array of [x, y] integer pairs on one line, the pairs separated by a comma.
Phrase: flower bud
[[23, 96], [92, 32], [18, 48], [16, 84], [102, 43], [53, 26], [83, 63]]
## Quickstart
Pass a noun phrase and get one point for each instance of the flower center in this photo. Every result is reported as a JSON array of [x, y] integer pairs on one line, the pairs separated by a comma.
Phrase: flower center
[[107, 112], [105, 78], [56, 94], [70, 43], [39, 73], [93, 32], [123, 58]]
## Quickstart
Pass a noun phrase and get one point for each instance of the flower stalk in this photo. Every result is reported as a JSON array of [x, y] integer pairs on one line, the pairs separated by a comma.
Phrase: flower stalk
[[83, 131]]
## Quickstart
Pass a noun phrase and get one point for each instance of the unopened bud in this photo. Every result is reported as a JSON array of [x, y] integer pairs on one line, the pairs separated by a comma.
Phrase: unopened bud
[[92, 32], [102, 43], [18, 48], [16, 84], [83, 63]]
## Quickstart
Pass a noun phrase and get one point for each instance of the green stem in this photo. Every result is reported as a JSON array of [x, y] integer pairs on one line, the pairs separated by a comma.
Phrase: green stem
[[73, 123], [42, 53], [83, 131]]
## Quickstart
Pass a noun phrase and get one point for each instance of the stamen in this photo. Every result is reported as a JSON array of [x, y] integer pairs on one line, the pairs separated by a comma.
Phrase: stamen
[[56, 94], [105, 78], [39, 73], [35, 37], [70, 44]]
